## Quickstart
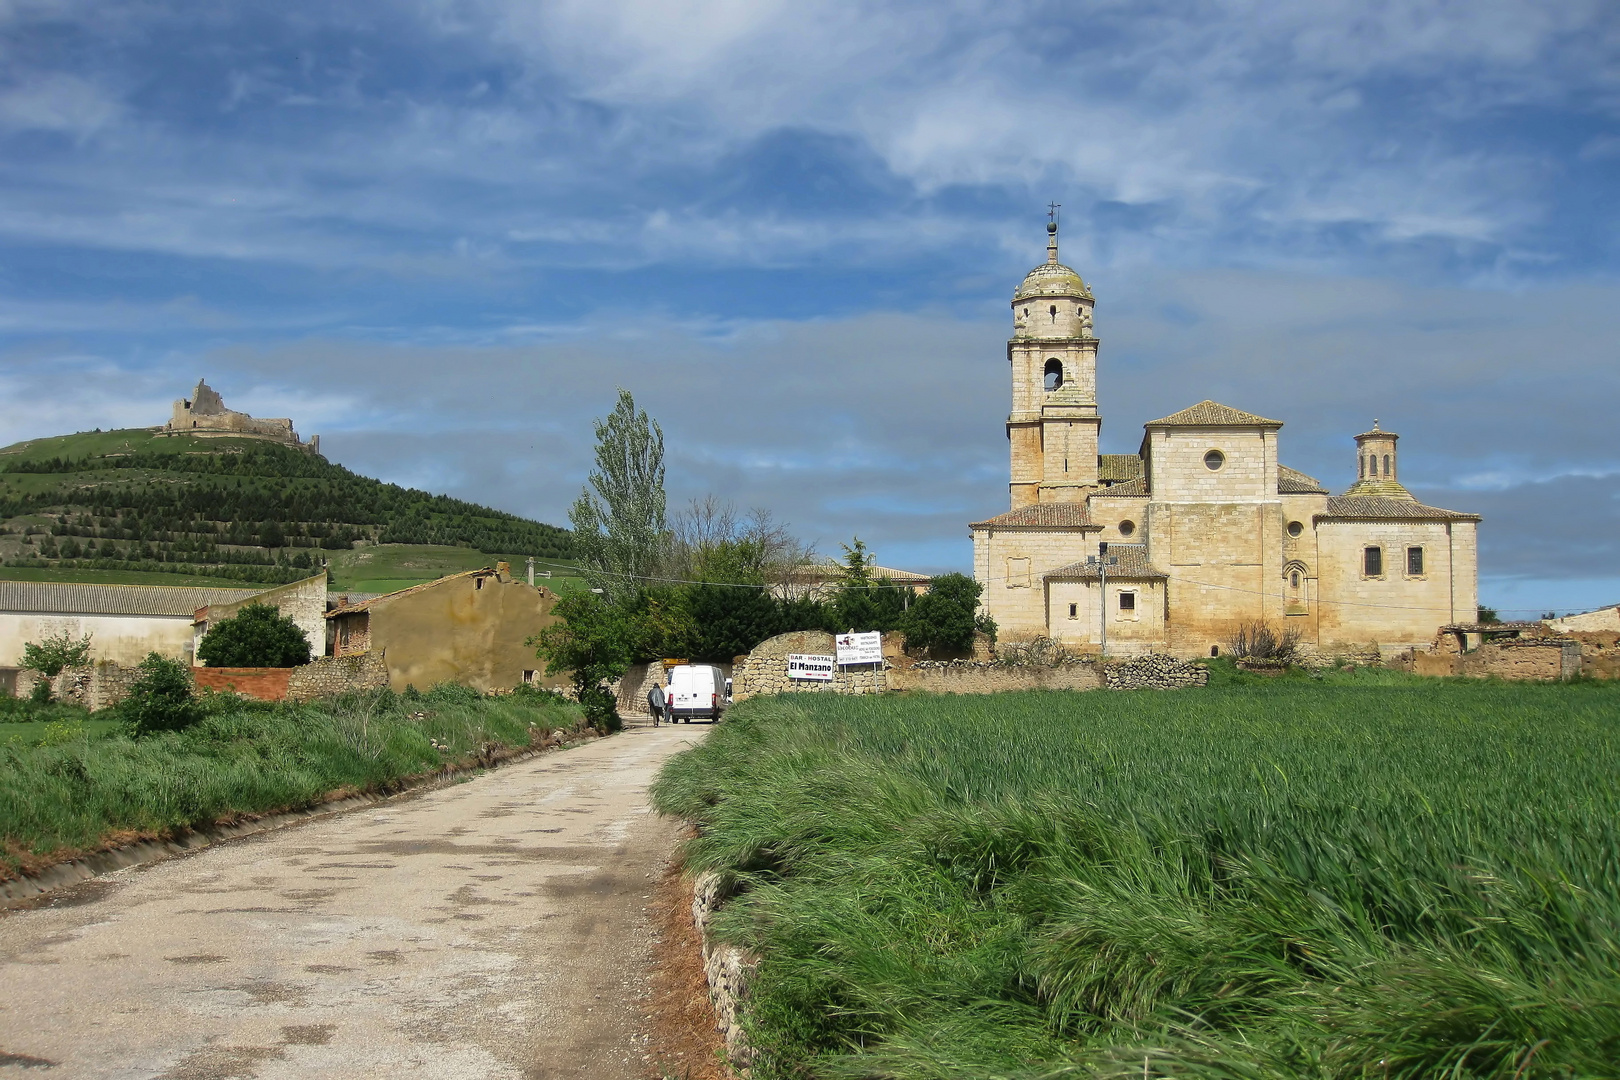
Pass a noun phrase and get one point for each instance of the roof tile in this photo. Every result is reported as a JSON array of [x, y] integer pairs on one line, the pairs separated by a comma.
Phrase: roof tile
[[1133, 562], [1212, 414], [79, 598], [1372, 508], [1043, 515]]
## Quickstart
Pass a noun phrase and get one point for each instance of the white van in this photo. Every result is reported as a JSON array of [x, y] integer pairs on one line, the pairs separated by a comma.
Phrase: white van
[[696, 690]]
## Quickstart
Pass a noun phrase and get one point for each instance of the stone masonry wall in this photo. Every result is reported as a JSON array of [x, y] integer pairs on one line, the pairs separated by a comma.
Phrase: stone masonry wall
[[969, 677], [1535, 659], [329, 676]]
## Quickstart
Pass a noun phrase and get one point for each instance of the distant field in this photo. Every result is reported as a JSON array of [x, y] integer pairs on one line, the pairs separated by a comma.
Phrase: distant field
[[386, 567], [1364, 876]]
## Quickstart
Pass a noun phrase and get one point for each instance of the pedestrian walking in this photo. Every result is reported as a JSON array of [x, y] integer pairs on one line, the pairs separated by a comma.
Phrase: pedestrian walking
[[655, 703]]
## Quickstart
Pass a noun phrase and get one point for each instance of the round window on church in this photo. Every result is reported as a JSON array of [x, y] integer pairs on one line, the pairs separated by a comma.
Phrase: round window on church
[[1295, 528], [1127, 528], [1214, 460]]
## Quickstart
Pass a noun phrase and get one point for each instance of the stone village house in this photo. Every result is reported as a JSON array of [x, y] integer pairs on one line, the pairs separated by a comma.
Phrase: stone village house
[[467, 628], [1209, 529]]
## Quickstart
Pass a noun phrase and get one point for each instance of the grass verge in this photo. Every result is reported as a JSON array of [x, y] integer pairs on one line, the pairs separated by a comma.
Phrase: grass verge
[[1362, 875], [72, 783]]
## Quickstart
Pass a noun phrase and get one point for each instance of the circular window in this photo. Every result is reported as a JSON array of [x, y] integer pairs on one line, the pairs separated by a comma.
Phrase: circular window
[[1214, 460], [1127, 528], [1295, 528]]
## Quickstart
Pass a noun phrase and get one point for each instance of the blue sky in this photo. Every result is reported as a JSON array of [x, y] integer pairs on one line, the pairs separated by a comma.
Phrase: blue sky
[[441, 233]]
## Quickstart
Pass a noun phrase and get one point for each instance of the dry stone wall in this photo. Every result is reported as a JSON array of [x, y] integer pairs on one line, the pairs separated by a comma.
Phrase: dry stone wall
[[765, 672], [1154, 672], [979, 677], [727, 968], [329, 676]]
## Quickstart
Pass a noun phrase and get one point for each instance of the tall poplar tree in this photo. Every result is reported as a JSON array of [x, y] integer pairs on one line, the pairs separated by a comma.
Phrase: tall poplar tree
[[619, 526]]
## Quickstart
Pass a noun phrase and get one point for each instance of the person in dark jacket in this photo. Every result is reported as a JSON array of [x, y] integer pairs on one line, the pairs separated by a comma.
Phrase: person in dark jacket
[[655, 703]]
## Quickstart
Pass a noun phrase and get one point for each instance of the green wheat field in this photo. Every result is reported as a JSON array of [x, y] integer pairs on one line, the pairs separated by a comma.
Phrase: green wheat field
[[1363, 875]]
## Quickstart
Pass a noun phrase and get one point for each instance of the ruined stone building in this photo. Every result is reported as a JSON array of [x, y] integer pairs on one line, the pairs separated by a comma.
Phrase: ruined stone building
[[471, 628], [1206, 529], [205, 414]]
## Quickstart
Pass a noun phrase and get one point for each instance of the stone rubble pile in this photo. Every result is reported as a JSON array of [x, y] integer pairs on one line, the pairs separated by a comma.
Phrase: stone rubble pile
[[1154, 672]]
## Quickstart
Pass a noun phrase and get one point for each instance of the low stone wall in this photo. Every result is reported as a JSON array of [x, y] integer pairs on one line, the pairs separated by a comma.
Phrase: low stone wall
[[95, 686], [727, 968], [980, 677], [263, 684], [765, 670], [1154, 672], [1529, 660], [329, 676]]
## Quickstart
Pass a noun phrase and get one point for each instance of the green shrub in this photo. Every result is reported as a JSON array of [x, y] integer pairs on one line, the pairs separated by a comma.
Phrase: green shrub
[[258, 635], [49, 657], [942, 620], [160, 699]]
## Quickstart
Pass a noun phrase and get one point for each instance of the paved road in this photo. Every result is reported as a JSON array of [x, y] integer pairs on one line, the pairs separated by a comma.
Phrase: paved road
[[493, 929]]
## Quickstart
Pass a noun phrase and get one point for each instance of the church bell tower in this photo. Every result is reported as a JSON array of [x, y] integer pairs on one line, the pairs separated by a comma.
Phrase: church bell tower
[[1052, 429]]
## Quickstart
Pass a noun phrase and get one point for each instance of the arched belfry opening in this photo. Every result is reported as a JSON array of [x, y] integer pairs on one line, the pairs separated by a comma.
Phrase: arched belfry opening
[[1054, 374]]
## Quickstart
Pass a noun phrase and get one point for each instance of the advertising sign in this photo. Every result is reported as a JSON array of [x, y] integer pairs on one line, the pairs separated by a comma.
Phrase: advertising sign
[[864, 648], [809, 666]]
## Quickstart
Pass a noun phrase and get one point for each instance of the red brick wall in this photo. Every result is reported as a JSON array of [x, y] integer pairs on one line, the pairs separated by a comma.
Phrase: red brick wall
[[266, 684]]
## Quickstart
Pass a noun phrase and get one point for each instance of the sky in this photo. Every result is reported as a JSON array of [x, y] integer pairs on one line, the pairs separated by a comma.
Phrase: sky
[[441, 234]]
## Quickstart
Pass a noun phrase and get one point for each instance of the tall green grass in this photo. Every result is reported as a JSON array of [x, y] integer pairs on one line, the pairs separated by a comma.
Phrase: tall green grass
[[77, 789], [1358, 876]]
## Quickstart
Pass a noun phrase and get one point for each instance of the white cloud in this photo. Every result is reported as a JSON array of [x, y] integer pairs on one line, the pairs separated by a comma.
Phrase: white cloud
[[58, 101]]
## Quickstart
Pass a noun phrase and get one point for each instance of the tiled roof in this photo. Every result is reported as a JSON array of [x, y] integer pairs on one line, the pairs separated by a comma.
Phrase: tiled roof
[[77, 598], [830, 569], [1212, 414], [1371, 508], [1129, 487], [1133, 562], [1294, 482], [1043, 515], [1120, 467], [366, 605]]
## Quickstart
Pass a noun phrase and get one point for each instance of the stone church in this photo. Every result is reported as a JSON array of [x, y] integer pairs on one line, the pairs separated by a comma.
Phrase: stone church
[[1203, 530]]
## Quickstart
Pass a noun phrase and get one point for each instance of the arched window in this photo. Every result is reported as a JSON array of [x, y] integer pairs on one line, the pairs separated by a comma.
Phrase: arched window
[[1054, 373], [1294, 579], [1054, 313], [1386, 464], [1363, 463]]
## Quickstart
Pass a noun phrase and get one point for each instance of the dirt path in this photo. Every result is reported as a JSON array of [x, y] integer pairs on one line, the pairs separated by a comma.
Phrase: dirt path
[[495, 929]]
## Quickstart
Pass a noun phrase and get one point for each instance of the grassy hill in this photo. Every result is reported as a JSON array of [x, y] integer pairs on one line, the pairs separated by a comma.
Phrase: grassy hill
[[137, 506]]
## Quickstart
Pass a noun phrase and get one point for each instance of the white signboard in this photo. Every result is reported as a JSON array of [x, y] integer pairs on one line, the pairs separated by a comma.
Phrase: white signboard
[[864, 648], [809, 666]]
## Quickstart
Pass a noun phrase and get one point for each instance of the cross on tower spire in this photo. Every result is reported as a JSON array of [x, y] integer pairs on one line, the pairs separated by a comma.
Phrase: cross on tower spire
[[1052, 211]]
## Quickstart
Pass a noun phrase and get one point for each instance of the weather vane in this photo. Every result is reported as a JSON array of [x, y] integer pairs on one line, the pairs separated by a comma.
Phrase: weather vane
[[1051, 211]]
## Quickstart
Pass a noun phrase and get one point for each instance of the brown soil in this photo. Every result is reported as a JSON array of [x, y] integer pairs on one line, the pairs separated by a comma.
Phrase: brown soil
[[686, 1043]]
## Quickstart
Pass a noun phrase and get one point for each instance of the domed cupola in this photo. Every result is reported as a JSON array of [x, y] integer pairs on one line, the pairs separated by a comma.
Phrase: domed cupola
[[1052, 278]]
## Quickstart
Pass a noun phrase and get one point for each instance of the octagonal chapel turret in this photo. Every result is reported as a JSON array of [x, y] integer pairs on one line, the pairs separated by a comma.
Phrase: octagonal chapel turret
[[1052, 429]]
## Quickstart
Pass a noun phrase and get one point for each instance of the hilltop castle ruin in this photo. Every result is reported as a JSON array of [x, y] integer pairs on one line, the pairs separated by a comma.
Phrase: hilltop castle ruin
[[205, 414]]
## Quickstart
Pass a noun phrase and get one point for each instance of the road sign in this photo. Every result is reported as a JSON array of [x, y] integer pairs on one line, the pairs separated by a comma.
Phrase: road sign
[[864, 648], [810, 666]]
